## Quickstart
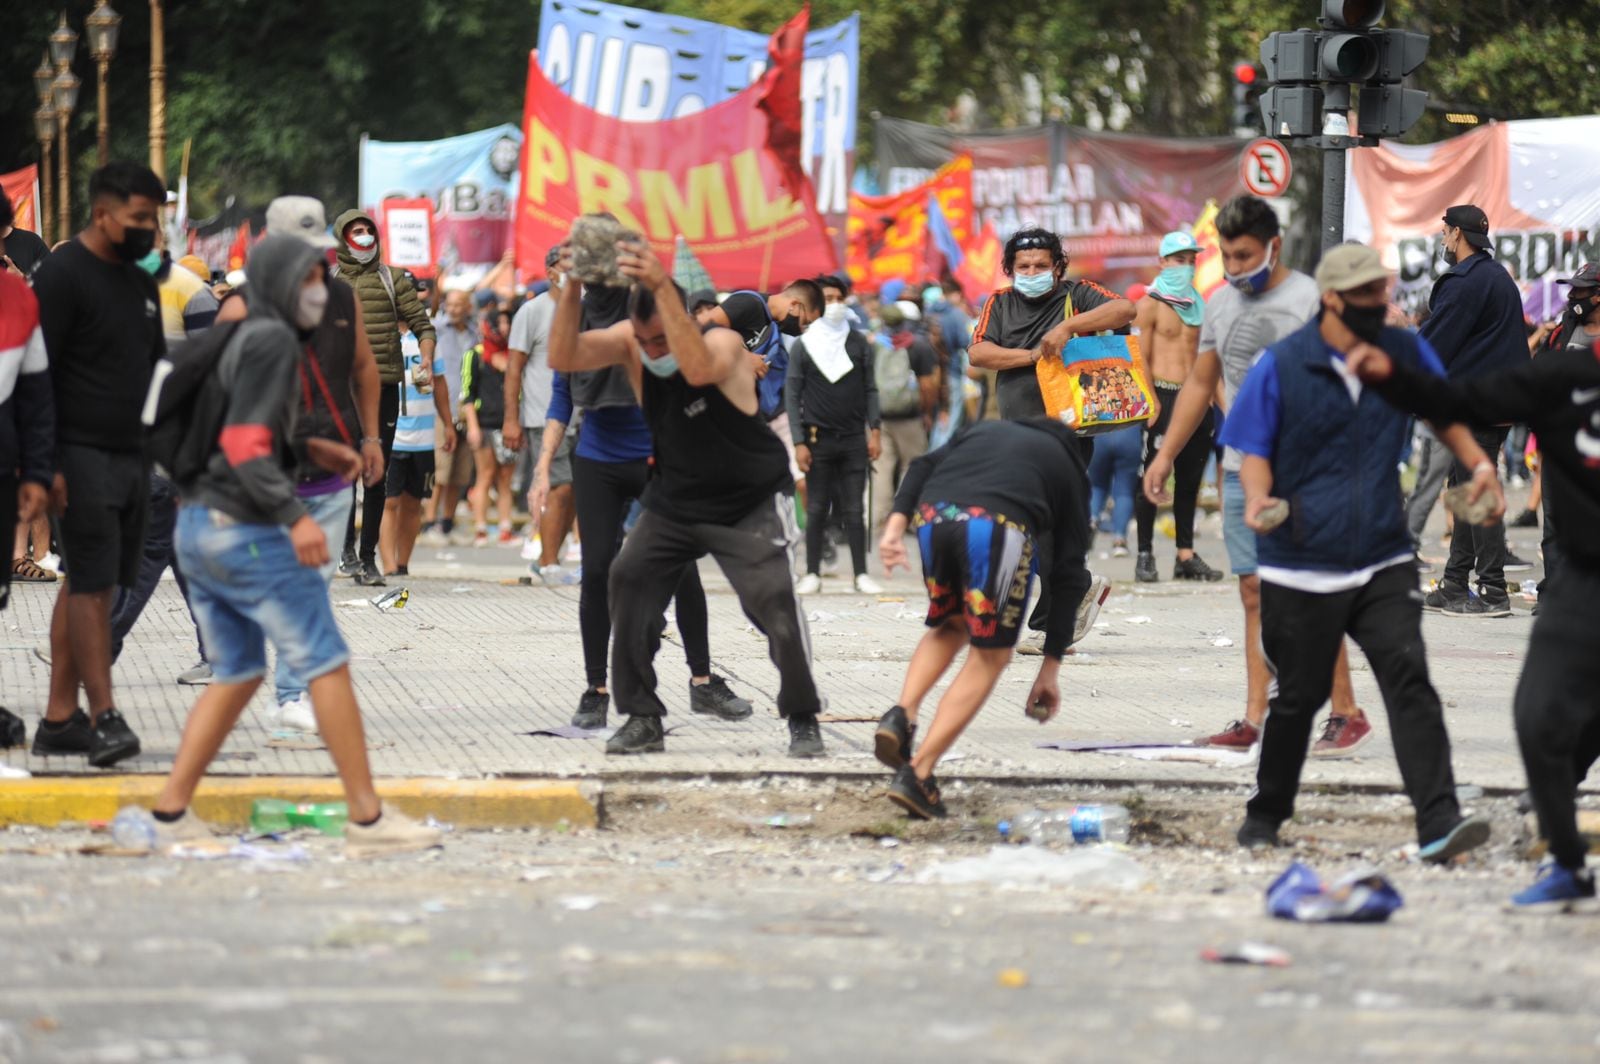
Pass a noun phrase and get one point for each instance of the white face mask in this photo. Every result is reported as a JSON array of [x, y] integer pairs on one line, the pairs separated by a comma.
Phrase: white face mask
[[836, 313], [312, 305]]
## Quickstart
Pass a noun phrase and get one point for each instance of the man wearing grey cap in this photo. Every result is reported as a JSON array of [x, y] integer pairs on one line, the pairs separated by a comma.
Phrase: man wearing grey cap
[[1313, 438], [1476, 326]]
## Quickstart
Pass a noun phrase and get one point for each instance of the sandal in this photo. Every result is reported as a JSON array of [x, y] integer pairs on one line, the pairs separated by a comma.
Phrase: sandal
[[29, 571]]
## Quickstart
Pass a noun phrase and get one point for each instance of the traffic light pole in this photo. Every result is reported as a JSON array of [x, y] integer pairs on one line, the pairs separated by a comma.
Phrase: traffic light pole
[[1333, 149]]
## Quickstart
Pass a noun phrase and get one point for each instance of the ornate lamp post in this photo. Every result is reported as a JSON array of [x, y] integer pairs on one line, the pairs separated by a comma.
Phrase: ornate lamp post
[[63, 45], [103, 24], [44, 124], [158, 89]]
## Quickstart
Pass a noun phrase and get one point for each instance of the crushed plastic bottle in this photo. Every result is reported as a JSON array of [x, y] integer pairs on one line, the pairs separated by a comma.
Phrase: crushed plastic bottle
[[1083, 824], [134, 829], [275, 816]]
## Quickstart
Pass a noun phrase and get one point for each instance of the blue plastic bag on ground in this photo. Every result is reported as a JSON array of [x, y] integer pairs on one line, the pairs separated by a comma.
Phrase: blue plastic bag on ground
[[1363, 897]]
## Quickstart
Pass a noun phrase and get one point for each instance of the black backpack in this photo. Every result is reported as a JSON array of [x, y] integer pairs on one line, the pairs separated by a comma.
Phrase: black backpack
[[185, 405]]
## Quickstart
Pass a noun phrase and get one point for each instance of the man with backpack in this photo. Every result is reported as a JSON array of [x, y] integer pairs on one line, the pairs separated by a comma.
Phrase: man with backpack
[[906, 370], [386, 295]]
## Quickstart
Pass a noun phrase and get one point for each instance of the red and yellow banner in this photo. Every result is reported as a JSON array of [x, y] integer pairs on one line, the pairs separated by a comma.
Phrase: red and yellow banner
[[887, 236], [21, 187], [715, 178]]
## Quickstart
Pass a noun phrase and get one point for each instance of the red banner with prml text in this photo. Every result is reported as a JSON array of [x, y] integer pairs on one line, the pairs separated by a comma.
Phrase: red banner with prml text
[[709, 177], [887, 236], [21, 186]]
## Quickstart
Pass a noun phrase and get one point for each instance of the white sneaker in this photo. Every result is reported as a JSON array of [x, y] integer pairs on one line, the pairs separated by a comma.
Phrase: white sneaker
[[51, 562], [809, 584], [393, 833], [1089, 608], [297, 715], [868, 586], [559, 576]]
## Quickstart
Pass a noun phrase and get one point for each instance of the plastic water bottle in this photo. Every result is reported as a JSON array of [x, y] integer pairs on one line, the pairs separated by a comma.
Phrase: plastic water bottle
[[1083, 824], [275, 816], [134, 829]]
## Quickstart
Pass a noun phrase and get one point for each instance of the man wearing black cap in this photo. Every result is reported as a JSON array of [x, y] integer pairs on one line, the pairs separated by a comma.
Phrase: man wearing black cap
[[1580, 322], [1476, 327]]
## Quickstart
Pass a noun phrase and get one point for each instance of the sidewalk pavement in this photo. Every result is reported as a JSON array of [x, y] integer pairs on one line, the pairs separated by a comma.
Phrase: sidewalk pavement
[[451, 685]]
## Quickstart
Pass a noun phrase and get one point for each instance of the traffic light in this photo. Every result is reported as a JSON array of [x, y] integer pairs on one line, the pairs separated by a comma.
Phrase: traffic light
[[1310, 71], [1245, 120]]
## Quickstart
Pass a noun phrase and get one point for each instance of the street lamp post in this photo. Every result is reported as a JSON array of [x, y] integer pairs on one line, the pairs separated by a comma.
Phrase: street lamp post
[[63, 45], [44, 124], [102, 25]]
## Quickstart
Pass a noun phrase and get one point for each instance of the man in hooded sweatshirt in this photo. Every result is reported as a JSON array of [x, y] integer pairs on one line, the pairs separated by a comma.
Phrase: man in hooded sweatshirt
[[386, 296], [253, 551]]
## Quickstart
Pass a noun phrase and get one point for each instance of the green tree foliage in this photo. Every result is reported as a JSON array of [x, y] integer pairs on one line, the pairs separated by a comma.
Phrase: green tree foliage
[[275, 95]]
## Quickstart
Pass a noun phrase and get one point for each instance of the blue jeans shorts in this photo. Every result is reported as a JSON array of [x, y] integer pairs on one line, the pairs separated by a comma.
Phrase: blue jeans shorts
[[1239, 537], [247, 587]]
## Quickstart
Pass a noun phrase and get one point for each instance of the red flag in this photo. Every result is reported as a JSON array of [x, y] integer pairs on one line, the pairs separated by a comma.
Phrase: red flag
[[240, 249], [980, 271], [779, 98]]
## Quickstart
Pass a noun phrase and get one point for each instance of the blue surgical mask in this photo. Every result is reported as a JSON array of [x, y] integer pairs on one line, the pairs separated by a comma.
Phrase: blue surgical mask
[[1255, 281], [1176, 279], [665, 366], [150, 262], [1033, 285]]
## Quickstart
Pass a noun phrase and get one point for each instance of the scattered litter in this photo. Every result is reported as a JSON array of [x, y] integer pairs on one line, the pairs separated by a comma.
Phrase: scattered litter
[[1085, 746], [1468, 792], [533, 875], [1218, 757], [781, 820], [821, 616], [1096, 867], [368, 935], [462, 589], [1257, 953], [214, 849], [908, 615], [845, 718], [1011, 978], [1140, 619], [888, 842], [1363, 897], [392, 600], [1222, 641], [891, 598]]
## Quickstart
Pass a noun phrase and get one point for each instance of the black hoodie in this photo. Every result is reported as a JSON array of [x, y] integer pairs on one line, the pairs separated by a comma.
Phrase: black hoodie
[[1030, 472], [251, 476]]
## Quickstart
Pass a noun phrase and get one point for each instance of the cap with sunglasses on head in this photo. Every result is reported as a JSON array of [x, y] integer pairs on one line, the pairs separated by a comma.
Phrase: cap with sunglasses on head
[[1473, 223], [1588, 276]]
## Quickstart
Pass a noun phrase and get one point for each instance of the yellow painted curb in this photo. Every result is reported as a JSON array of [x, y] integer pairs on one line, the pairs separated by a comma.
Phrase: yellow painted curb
[[226, 801]]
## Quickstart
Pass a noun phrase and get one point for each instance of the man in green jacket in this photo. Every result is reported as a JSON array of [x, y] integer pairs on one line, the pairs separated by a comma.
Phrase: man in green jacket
[[386, 295]]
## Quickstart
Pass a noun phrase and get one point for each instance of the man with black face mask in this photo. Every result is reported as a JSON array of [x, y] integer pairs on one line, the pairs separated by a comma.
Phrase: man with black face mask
[[1311, 436], [1476, 326], [1580, 322], [101, 316]]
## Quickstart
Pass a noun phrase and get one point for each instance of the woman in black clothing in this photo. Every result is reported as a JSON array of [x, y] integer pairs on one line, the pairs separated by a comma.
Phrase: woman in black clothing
[[832, 402]]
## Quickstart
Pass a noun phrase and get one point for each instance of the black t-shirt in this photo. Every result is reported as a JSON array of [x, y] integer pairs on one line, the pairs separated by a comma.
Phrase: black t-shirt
[[102, 329], [1011, 321], [714, 464], [749, 317], [25, 249]]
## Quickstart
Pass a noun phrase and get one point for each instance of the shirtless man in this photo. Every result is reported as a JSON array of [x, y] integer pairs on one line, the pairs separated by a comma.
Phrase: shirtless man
[[1168, 320]]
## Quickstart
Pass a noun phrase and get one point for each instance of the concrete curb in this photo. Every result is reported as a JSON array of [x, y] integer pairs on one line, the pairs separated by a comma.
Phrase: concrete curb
[[46, 802]]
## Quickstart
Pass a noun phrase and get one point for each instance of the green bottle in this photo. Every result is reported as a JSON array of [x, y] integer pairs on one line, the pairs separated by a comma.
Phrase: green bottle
[[274, 816]]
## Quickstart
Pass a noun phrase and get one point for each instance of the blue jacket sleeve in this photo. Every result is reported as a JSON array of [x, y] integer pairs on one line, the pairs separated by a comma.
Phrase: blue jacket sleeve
[[560, 400]]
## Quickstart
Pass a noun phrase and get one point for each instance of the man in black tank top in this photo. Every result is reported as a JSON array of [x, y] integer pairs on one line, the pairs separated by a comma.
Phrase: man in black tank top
[[720, 486]]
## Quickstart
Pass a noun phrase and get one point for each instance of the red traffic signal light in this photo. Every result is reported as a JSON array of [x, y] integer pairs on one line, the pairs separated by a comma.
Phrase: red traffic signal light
[[1244, 73]]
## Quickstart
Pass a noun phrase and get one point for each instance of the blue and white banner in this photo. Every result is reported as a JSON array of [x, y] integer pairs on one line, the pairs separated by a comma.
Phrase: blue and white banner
[[471, 180], [642, 66]]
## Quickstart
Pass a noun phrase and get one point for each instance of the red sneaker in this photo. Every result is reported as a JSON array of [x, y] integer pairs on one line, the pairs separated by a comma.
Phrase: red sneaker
[[1342, 736], [1240, 735]]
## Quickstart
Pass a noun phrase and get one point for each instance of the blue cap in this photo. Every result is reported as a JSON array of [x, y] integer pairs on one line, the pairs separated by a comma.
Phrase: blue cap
[[1175, 242]]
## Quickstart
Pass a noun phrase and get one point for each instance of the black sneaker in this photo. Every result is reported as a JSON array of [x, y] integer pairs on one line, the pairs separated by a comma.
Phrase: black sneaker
[[1474, 606], [1195, 568], [920, 798], [1468, 834], [1257, 834], [592, 710], [113, 740], [13, 732], [349, 564], [72, 736], [1144, 568], [717, 699], [369, 576], [805, 737], [1515, 564], [893, 738], [1526, 519], [400, 570], [641, 735], [1443, 596]]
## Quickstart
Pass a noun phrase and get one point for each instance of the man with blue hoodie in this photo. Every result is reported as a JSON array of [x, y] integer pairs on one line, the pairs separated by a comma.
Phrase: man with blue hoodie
[[1313, 438]]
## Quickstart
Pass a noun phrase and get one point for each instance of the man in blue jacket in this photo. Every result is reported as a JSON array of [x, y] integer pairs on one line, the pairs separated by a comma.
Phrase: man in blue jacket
[[1476, 327], [1341, 563]]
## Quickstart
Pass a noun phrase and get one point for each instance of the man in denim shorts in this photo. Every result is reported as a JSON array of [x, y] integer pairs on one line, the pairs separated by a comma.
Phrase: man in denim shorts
[[980, 505]]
